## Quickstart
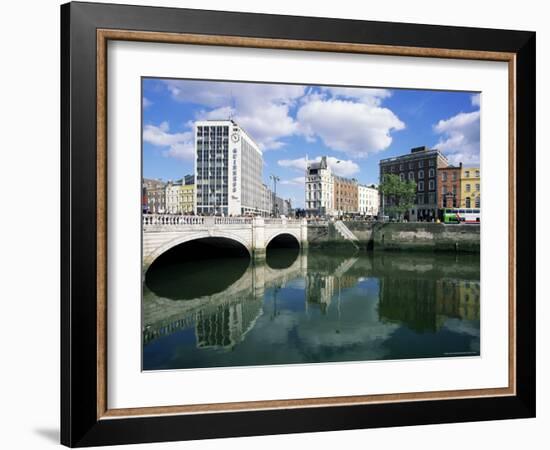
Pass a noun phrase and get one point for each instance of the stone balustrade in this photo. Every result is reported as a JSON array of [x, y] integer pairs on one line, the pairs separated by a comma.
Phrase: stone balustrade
[[152, 222], [232, 220], [164, 231], [274, 221], [170, 219]]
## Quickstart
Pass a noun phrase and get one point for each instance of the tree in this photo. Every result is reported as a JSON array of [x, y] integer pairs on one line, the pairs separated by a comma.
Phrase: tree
[[398, 195]]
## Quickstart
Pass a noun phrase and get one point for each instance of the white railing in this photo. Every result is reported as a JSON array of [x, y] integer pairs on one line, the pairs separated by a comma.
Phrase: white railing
[[232, 220], [158, 221], [274, 221], [318, 222], [167, 219]]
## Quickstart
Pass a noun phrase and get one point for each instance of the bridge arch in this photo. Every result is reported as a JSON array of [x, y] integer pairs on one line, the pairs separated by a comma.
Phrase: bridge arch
[[284, 233], [189, 237]]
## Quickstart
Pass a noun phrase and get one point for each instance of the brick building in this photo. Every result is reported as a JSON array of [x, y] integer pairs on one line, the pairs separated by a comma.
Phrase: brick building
[[449, 186], [421, 165], [346, 195]]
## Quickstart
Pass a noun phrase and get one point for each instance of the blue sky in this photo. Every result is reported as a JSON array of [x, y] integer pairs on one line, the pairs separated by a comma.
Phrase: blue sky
[[354, 125]]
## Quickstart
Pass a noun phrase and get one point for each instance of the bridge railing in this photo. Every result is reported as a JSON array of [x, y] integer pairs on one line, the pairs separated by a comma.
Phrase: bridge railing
[[167, 219], [318, 222], [232, 220], [155, 222], [275, 221]]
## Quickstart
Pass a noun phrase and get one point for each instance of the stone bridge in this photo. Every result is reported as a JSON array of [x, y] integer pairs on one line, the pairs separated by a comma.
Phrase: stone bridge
[[163, 232]]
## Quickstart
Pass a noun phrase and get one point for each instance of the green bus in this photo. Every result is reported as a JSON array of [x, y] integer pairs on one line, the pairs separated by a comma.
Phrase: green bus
[[460, 215]]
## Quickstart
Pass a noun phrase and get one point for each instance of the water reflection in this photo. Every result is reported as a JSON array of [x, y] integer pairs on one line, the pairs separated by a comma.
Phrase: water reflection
[[193, 279], [281, 258], [311, 307]]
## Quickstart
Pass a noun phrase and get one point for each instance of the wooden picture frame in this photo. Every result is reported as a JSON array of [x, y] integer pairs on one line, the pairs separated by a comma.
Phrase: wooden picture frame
[[85, 416]]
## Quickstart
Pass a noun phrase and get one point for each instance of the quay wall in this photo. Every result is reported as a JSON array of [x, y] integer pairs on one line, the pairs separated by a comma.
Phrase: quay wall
[[463, 238], [411, 236], [324, 235]]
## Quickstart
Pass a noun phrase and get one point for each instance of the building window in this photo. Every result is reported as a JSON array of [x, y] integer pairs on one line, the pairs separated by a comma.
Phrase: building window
[[420, 199], [478, 202], [420, 185], [468, 188], [411, 176], [477, 187], [420, 163], [431, 185], [468, 202], [477, 173], [402, 176], [431, 162], [411, 165], [467, 174], [454, 176], [400, 166], [444, 176], [420, 174], [431, 172], [444, 190]]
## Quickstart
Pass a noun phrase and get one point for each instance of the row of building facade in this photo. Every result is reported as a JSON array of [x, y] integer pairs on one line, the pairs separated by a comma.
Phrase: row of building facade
[[228, 178], [332, 195], [178, 197], [439, 185], [170, 197]]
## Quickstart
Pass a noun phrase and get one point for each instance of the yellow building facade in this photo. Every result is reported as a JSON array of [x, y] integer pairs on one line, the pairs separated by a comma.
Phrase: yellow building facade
[[470, 187], [188, 198]]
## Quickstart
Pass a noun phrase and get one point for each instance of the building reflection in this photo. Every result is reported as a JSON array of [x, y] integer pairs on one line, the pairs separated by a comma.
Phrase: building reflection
[[424, 305], [223, 319], [414, 292], [319, 291], [227, 325], [457, 299]]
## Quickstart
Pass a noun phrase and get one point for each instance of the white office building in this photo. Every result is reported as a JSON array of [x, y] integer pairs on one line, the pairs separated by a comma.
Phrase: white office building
[[228, 170], [368, 200], [319, 188], [173, 197]]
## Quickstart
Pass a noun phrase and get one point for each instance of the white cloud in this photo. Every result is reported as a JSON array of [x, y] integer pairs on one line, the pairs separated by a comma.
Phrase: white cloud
[[342, 167], [350, 120], [176, 145], [296, 181], [476, 99], [146, 103], [261, 109], [299, 164], [357, 128], [369, 96], [460, 136]]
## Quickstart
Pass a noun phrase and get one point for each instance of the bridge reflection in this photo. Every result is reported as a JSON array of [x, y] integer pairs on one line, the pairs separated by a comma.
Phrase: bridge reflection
[[415, 292]]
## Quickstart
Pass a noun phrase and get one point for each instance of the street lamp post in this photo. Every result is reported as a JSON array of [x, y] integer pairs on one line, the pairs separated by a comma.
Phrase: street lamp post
[[275, 179], [338, 209]]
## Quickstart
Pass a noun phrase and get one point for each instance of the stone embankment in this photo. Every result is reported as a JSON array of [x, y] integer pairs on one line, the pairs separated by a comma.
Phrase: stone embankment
[[413, 236]]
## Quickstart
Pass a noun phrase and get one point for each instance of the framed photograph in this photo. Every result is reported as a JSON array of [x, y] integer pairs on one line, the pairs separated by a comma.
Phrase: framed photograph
[[276, 224]]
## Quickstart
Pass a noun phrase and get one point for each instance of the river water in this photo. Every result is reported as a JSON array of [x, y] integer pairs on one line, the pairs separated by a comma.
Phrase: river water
[[310, 307]]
